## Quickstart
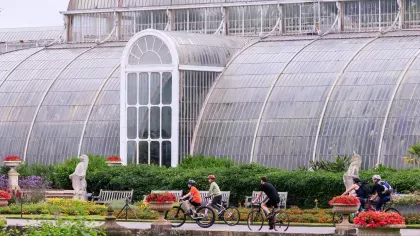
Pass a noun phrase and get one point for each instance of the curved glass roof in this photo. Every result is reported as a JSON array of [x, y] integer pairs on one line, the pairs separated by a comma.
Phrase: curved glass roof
[[30, 34], [192, 49], [282, 103], [61, 99], [103, 4]]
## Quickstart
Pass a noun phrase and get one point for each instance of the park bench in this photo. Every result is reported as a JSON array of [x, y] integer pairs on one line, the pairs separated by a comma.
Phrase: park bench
[[106, 196], [177, 193], [225, 197], [282, 195]]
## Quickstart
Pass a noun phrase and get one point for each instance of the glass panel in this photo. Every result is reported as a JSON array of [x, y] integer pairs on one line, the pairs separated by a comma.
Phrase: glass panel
[[167, 88], [131, 122], [143, 88], [166, 122], [143, 152], [131, 152], [154, 122], [155, 88], [154, 152], [143, 122], [166, 153], [132, 89]]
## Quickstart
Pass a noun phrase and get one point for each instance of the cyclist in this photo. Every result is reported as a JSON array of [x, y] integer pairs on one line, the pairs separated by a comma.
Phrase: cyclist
[[272, 199], [214, 192], [361, 194], [382, 190], [195, 199]]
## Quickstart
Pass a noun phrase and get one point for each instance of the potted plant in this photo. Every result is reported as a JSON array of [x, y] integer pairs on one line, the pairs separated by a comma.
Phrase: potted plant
[[4, 198], [12, 161], [344, 205], [113, 161], [372, 223], [161, 202]]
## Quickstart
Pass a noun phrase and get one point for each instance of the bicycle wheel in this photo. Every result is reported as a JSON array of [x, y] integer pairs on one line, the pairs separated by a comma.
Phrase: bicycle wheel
[[231, 216], [255, 220], [176, 216], [203, 220], [281, 221], [392, 210]]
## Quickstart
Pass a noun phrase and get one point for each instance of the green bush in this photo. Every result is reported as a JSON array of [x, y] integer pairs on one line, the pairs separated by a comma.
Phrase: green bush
[[303, 187]]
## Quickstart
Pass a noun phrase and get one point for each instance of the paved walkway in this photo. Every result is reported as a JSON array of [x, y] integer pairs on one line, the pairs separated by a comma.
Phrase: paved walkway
[[220, 227]]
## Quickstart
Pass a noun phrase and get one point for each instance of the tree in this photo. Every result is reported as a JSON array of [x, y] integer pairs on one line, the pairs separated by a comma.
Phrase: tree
[[414, 158]]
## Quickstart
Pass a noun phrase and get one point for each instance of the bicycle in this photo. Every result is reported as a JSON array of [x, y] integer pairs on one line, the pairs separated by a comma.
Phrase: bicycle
[[204, 216], [368, 208], [255, 219], [229, 215]]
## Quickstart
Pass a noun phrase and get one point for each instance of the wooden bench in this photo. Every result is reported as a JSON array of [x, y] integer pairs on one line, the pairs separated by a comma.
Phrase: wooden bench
[[225, 197], [106, 196], [282, 195], [177, 193]]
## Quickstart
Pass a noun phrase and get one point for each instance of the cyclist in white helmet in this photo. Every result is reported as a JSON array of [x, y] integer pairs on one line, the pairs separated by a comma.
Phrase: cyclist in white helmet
[[382, 190]]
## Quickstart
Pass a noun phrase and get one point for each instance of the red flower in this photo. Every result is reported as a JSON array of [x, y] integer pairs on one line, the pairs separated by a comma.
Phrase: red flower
[[160, 197], [5, 195], [113, 159], [12, 158], [346, 200], [374, 219]]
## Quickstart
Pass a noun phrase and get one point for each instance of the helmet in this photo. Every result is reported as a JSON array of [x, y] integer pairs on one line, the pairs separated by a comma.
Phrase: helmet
[[376, 177], [211, 177], [192, 182]]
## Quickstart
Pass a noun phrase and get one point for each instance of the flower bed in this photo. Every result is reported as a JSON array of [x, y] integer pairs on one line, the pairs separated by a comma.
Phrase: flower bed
[[12, 158], [345, 200], [113, 159], [375, 219], [5, 195], [161, 197]]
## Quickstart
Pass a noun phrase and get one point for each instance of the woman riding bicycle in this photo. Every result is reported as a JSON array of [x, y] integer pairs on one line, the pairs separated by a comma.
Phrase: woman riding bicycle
[[360, 193], [196, 198]]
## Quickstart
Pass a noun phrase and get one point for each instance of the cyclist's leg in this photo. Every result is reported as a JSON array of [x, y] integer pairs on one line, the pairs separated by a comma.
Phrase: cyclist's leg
[[265, 205], [362, 204], [381, 201], [216, 201]]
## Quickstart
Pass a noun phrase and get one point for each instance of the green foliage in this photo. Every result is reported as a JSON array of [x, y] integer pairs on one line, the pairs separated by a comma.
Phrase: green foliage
[[340, 164], [414, 158], [201, 161], [410, 200], [59, 227]]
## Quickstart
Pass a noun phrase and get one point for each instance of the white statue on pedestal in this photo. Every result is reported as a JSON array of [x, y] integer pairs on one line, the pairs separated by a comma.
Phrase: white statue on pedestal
[[353, 171], [78, 178]]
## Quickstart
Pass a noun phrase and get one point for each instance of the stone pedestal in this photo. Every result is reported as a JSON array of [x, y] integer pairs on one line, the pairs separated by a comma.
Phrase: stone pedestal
[[111, 227], [13, 179], [160, 225], [80, 196]]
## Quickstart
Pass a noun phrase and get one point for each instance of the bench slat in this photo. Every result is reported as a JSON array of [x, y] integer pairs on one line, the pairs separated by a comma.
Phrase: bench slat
[[108, 196]]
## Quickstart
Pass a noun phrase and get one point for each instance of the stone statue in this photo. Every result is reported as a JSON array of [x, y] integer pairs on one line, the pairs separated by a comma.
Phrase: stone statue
[[353, 171], [78, 178]]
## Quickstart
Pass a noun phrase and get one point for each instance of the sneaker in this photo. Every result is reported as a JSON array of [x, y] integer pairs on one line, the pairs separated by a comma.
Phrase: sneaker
[[271, 226]]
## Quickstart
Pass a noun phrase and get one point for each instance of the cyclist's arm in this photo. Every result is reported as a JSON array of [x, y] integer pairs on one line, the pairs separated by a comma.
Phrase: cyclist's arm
[[374, 191], [348, 190], [187, 195]]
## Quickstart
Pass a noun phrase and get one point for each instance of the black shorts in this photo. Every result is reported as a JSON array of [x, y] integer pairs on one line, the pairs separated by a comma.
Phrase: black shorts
[[196, 204], [272, 203]]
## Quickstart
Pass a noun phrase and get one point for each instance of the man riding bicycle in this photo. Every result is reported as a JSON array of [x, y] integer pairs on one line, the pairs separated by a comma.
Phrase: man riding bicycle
[[272, 199], [195, 194], [214, 192], [382, 190]]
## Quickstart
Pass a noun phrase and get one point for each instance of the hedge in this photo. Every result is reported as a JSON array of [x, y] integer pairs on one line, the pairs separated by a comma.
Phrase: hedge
[[303, 187]]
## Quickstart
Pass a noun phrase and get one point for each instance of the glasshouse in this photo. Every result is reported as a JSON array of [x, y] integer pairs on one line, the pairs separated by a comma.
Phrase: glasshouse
[[276, 82]]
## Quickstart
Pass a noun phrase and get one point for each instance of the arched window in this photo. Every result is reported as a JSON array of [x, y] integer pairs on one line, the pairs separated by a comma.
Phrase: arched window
[[150, 104]]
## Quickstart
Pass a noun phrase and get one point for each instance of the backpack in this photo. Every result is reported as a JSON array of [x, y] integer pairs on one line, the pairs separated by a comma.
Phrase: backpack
[[366, 189], [387, 188]]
